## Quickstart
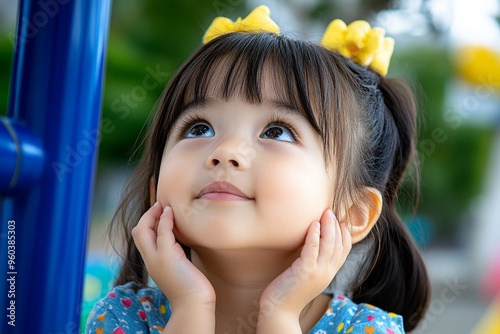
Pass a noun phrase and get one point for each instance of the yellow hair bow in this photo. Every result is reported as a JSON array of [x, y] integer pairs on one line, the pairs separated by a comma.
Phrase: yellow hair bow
[[361, 43], [259, 20]]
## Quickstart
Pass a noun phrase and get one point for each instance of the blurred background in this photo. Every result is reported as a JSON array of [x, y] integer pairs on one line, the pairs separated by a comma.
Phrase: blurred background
[[449, 49]]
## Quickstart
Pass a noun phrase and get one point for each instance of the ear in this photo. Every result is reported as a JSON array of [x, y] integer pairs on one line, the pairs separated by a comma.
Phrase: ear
[[363, 215], [152, 192]]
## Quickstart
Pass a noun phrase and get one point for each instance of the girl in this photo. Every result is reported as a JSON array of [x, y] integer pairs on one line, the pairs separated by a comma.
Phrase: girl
[[267, 160]]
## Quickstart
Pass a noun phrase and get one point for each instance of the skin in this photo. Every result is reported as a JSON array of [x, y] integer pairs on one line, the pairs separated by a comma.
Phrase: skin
[[261, 261]]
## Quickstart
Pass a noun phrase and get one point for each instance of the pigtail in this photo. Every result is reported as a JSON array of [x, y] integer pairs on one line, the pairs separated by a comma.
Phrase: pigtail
[[401, 106], [397, 279]]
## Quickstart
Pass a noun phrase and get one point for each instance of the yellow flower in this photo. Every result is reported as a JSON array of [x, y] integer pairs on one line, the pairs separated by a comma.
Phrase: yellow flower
[[479, 65], [258, 20], [361, 43]]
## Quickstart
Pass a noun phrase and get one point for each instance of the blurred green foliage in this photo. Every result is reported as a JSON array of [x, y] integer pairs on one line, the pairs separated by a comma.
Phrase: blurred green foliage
[[453, 153], [5, 61], [150, 39]]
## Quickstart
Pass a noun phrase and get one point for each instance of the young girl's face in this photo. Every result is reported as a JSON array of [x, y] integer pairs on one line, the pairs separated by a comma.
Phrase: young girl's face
[[242, 175]]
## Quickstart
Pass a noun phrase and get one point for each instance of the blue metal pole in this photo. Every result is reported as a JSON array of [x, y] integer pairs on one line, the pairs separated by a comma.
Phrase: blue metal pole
[[56, 90]]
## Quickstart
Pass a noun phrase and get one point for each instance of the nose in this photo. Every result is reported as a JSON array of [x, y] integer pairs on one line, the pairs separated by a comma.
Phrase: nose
[[231, 154]]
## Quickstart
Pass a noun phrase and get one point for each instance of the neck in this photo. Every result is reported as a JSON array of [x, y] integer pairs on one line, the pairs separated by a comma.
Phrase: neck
[[242, 268], [239, 278]]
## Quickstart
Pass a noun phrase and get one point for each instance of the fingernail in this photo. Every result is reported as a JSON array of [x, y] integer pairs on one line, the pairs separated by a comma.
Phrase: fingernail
[[166, 208], [156, 204]]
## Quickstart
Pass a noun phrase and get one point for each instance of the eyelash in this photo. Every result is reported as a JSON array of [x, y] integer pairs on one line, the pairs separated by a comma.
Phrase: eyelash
[[187, 122]]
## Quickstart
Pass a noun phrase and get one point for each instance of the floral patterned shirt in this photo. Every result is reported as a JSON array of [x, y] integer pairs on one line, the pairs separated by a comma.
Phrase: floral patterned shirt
[[124, 310]]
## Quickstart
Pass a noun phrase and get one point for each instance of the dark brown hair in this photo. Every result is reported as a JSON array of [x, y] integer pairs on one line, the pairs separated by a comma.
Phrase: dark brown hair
[[368, 127]]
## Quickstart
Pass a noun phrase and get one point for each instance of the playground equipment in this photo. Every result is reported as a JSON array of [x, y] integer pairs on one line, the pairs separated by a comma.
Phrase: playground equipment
[[48, 150]]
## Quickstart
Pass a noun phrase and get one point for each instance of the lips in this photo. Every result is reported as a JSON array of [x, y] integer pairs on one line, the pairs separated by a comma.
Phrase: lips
[[222, 191]]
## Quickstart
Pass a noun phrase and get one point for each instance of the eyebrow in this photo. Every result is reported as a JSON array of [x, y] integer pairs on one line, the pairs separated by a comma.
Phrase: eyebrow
[[197, 103], [281, 105]]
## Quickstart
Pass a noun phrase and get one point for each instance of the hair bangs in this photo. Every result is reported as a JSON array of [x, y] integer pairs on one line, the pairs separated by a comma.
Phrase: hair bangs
[[253, 66]]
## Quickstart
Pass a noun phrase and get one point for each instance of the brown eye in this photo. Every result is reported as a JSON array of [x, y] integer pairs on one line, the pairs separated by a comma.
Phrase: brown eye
[[198, 130], [278, 132], [274, 133]]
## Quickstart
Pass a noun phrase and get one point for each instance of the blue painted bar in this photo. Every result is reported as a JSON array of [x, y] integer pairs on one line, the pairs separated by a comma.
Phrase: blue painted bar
[[22, 158], [55, 98]]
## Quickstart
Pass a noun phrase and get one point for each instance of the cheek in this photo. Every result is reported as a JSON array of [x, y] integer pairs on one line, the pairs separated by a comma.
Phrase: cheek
[[296, 196], [175, 188], [307, 196], [169, 192], [171, 181]]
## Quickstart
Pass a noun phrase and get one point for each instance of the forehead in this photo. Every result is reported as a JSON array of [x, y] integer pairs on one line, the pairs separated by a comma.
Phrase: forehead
[[233, 77]]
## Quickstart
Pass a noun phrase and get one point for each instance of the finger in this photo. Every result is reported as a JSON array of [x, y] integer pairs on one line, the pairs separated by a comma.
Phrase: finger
[[144, 233], [311, 245], [346, 238], [342, 244], [165, 236], [329, 235], [166, 221], [339, 245]]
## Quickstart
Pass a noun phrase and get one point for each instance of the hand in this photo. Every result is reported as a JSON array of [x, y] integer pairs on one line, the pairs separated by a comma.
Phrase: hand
[[325, 250], [183, 284]]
